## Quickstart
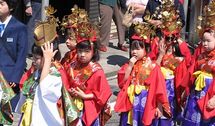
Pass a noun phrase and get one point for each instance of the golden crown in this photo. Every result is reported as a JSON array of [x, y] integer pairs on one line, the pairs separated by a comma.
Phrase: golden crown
[[79, 26], [77, 16], [45, 31], [144, 30], [169, 15], [207, 20]]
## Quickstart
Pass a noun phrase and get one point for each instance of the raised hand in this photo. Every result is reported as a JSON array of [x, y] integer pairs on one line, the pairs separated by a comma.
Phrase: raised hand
[[48, 55], [48, 52], [162, 47]]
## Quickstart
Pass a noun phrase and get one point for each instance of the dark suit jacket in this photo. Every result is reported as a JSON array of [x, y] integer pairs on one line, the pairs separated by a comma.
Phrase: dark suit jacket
[[13, 50]]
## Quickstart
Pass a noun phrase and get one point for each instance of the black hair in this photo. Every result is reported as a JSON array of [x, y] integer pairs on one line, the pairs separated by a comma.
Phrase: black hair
[[87, 45], [177, 51], [38, 51], [137, 44], [208, 31], [11, 4], [175, 45]]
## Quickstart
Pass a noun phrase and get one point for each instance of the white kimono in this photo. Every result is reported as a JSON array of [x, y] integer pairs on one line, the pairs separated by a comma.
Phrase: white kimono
[[45, 111], [1, 93]]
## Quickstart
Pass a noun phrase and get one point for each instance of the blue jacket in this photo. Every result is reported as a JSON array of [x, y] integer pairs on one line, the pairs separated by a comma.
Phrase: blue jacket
[[13, 50]]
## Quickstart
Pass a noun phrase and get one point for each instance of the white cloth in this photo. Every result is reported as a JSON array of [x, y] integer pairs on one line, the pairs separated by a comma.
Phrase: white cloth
[[137, 18], [45, 111], [1, 93]]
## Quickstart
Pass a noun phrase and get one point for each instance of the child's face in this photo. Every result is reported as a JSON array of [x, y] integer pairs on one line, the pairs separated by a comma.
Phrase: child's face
[[71, 43], [138, 53], [208, 41], [84, 56], [38, 61], [4, 9]]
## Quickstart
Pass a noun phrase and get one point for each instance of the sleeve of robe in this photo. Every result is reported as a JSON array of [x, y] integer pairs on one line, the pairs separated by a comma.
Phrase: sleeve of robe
[[202, 103], [45, 102], [156, 94], [123, 103], [183, 73], [97, 85], [185, 52]]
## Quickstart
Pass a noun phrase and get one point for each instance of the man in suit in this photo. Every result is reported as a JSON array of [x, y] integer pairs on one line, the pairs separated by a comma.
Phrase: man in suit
[[13, 47]]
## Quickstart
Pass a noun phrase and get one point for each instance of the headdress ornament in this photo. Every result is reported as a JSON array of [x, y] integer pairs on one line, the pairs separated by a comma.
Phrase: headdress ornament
[[207, 20], [45, 31], [143, 32], [77, 16], [79, 26], [169, 16]]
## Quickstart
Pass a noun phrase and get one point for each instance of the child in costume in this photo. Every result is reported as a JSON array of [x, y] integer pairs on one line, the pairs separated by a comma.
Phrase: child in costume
[[6, 94], [142, 96], [163, 15], [88, 86], [70, 26], [175, 70], [42, 87], [199, 109]]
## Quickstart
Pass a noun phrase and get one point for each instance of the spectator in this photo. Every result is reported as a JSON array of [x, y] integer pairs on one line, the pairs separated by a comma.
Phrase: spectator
[[139, 7], [13, 47], [109, 9], [33, 13]]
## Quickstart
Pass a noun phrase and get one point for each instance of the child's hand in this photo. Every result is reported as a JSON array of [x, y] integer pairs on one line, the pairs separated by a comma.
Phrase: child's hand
[[133, 60], [77, 92], [12, 84], [162, 47], [48, 52], [158, 113], [179, 40], [211, 103]]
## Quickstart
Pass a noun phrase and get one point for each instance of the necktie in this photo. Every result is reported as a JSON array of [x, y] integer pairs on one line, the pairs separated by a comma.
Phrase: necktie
[[1, 27]]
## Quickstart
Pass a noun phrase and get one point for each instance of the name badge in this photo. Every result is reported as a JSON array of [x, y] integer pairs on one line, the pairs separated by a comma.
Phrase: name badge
[[9, 39]]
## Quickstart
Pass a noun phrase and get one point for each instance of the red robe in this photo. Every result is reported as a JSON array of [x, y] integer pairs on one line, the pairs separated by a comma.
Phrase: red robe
[[67, 59], [25, 76], [154, 48], [96, 84], [156, 93], [183, 73], [209, 63], [202, 103]]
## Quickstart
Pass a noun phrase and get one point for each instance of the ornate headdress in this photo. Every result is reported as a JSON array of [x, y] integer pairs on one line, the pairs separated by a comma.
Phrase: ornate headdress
[[207, 20], [79, 26], [143, 32], [169, 15], [45, 31], [77, 16]]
